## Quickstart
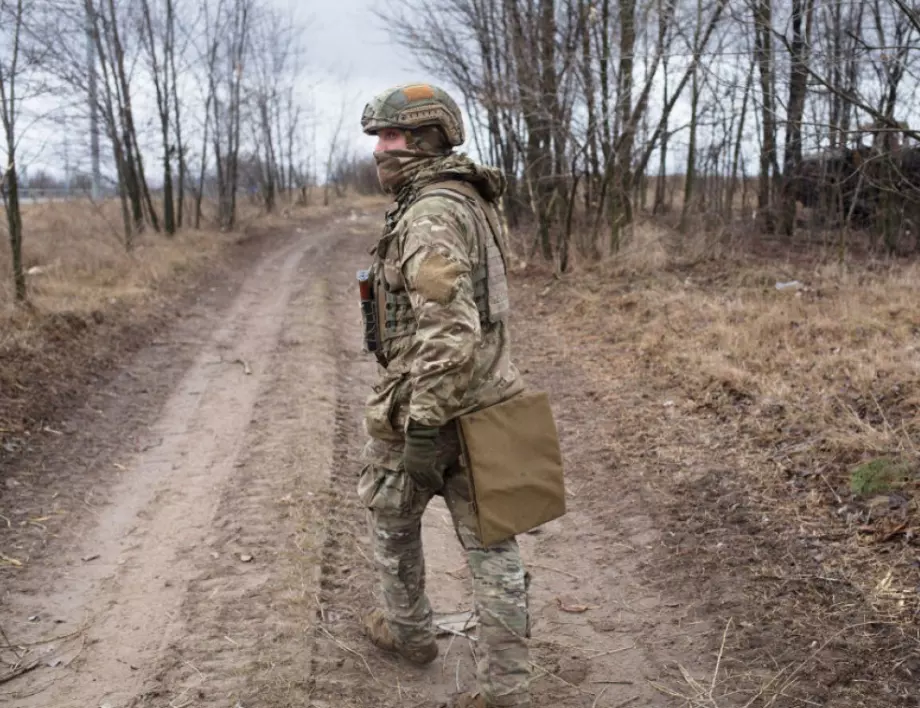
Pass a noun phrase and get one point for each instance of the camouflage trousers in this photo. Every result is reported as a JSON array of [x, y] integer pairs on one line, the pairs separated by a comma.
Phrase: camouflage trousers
[[500, 582]]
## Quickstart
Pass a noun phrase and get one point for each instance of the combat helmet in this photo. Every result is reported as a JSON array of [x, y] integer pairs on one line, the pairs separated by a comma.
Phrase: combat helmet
[[411, 106]]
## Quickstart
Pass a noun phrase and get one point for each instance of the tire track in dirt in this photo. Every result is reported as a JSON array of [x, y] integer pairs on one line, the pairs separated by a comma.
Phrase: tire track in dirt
[[606, 620], [246, 615], [342, 669], [125, 605], [234, 561], [600, 634], [62, 477], [347, 671]]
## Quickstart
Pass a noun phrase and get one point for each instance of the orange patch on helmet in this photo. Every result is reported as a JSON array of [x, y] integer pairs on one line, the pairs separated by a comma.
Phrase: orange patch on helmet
[[418, 92]]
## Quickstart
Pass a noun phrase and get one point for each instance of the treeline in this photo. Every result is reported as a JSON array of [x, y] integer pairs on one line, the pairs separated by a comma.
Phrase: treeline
[[591, 104], [222, 77]]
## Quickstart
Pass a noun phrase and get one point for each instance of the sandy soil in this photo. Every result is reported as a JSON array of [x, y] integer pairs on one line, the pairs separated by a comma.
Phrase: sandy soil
[[191, 537]]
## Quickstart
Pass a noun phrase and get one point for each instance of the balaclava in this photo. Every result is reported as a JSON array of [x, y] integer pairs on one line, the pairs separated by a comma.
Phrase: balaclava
[[396, 168]]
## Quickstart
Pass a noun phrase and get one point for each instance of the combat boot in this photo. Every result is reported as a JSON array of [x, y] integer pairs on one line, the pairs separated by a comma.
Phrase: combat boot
[[378, 631]]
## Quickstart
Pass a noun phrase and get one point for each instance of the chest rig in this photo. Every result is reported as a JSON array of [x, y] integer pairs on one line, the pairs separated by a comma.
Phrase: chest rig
[[393, 308]]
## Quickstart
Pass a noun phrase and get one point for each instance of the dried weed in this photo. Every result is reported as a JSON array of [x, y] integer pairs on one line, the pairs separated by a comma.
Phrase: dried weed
[[746, 411]]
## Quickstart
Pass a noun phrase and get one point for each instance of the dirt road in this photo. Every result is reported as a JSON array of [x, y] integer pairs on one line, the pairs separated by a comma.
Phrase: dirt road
[[191, 537]]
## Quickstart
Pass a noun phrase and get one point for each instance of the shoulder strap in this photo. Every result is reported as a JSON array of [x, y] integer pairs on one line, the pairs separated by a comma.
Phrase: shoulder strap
[[464, 192]]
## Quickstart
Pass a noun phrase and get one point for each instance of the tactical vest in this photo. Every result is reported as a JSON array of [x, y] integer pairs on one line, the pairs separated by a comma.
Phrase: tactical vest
[[395, 317]]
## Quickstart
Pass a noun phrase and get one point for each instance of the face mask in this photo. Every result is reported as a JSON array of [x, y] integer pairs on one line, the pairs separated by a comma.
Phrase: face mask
[[396, 167]]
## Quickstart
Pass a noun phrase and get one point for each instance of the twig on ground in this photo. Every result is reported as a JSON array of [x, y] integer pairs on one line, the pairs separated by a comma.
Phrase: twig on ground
[[447, 652], [615, 683], [24, 669], [715, 674], [803, 578], [350, 651], [598, 696], [194, 668], [9, 644], [455, 633], [456, 572], [611, 651], [19, 695], [833, 491], [621, 704], [319, 605], [547, 672], [56, 638], [172, 703], [554, 570]]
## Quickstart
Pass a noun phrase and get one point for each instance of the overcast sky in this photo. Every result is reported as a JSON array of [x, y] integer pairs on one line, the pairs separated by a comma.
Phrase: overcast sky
[[348, 58], [351, 58]]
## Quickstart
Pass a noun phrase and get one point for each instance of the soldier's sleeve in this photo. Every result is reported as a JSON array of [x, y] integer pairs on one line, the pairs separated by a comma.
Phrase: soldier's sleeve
[[437, 269]]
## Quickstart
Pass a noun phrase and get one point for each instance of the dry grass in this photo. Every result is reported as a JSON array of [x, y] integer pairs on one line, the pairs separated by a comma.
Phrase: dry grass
[[750, 411], [91, 301], [836, 359], [77, 262]]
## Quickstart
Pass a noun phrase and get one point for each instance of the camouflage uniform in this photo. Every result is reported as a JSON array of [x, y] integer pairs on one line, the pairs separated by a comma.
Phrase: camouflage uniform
[[442, 298]]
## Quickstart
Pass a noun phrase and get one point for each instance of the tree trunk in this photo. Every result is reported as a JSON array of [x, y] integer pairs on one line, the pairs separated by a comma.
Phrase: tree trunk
[[621, 168], [802, 12], [528, 55], [739, 137], [763, 19], [204, 161], [9, 176], [10, 185], [662, 180], [593, 168], [690, 177], [180, 143]]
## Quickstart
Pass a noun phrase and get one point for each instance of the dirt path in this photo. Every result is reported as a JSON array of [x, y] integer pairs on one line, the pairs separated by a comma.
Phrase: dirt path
[[207, 549]]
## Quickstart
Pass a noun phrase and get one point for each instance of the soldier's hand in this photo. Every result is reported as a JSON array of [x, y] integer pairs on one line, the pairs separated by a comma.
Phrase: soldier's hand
[[420, 457]]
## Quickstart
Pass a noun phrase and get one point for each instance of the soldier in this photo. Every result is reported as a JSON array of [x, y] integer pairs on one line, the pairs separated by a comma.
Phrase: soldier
[[441, 297]]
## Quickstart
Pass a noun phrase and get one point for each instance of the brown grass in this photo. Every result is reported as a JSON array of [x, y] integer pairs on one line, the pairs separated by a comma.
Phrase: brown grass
[[77, 263], [76, 260], [90, 300], [750, 408], [836, 359]]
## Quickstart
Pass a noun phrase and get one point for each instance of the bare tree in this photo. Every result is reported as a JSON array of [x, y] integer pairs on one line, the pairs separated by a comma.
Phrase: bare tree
[[159, 40], [270, 90], [228, 35], [572, 98], [332, 156], [20, 58], [802, 17]]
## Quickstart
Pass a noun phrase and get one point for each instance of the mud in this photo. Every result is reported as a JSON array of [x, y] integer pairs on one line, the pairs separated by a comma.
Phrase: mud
[[192, 536]]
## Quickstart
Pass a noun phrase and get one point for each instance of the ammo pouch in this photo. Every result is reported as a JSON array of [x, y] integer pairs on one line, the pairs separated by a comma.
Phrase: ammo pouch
[[511, 454]]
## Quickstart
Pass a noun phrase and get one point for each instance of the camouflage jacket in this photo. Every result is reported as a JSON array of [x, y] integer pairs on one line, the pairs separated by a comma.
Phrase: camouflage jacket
[[450, 359]]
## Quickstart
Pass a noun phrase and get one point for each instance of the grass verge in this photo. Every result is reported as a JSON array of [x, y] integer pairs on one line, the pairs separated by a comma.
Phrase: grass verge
[[774, 421], [91, 302]]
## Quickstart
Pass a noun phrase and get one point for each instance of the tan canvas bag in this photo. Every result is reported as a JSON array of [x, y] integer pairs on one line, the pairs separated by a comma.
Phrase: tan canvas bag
[[512, 456]]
